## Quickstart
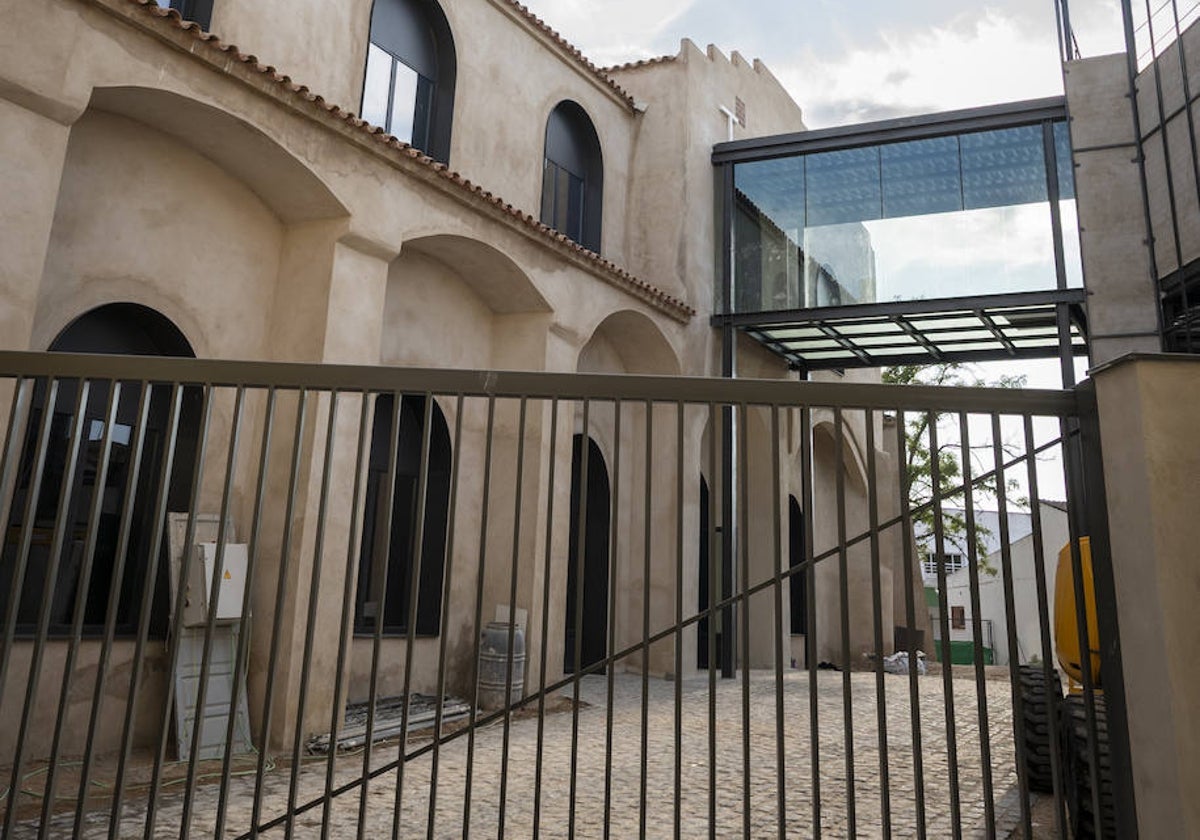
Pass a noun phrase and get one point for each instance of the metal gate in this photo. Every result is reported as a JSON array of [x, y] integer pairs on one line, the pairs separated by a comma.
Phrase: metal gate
[[835, 583]]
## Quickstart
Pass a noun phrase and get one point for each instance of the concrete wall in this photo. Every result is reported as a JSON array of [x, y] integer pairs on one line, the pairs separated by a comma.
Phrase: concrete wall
[[1148, 408], [1122, 303]]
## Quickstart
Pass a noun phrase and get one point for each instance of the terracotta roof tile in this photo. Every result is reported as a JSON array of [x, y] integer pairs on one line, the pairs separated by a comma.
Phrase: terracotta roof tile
[[641, 62], [619, 276]]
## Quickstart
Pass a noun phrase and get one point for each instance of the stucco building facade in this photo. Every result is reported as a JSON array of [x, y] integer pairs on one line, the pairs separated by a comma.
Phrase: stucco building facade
[[229, 197]]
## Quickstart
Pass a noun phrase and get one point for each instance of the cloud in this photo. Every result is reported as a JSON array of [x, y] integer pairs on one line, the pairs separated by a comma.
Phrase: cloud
[[623, 30], [965, 62]]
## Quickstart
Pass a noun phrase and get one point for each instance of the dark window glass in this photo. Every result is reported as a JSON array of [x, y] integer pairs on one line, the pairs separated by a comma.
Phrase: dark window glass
[[86, 580], [199, 11], [572, 176], [408, 87], [387, 564]]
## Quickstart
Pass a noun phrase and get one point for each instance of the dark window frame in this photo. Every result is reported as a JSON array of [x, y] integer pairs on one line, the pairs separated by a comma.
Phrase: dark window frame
[[399, 561], [572, 157], [417, 35], [111, 328], [198, 11]]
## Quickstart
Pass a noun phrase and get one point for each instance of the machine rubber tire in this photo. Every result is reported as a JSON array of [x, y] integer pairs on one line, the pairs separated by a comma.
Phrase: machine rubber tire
[[1039, 724], [1078, 786]]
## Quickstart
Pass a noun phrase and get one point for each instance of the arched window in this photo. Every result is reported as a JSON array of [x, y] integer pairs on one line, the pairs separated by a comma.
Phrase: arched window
[[199, 11], [573, 176], [386, 561], [409, 83], [125, 328]]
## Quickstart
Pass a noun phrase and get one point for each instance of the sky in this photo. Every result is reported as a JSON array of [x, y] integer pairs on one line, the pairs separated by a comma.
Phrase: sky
[[859, 60], [850, 61]]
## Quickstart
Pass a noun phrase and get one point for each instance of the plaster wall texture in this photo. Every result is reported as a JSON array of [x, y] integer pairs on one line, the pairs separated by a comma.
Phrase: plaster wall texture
[[1148, 407], [682, 123]]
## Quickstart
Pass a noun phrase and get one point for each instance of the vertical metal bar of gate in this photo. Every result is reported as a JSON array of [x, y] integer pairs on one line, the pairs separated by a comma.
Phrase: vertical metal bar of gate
[[647, 517], [416, 552], [110, 611], [148, 584], [914, 702], [349, 583], [89, 550], [518, 498], [944, 657], [810, 631], [839, 449], [546, 565], [885, 801], [1104, 583], [477, 627], [214, 586], [447, 585], [985, 746], [310, 626], [777, 566]]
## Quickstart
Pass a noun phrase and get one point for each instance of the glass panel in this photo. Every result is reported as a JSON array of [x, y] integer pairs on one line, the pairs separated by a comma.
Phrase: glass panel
[[1072, 257], [404, 102], [574, 225], [1062, 156], [933, 218], [549, 173], [375, 89], [562, 199], [843, 186], [921, 177], [768, 222], [1003, 167]]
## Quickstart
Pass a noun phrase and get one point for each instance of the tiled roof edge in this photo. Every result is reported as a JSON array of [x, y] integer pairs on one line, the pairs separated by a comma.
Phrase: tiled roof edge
[[570, 49], [641, 62], [614, 274]]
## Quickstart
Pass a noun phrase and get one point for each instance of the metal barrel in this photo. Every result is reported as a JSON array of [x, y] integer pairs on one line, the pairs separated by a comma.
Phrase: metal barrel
[[494, 657]]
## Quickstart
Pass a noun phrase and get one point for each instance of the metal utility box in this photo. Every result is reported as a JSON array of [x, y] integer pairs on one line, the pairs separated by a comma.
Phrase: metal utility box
[[231, 588]]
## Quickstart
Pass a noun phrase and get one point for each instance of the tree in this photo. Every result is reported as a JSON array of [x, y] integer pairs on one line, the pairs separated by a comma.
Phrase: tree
[[919, 460]]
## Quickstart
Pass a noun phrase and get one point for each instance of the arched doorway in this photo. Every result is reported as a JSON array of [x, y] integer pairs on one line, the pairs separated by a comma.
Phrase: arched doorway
[[387, 558], [592, 626], [121, 328]]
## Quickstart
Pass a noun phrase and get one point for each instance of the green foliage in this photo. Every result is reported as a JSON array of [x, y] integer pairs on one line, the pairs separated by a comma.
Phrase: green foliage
[[919, 461]]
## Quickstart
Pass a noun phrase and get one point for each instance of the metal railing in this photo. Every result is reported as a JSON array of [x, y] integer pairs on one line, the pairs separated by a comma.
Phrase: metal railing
[[139, 696]]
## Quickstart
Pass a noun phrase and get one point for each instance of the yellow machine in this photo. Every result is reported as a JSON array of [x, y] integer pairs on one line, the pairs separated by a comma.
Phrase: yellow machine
[[1047, 715]]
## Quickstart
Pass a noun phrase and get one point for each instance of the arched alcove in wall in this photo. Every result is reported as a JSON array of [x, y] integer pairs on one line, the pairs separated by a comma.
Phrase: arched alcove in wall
[[628, 341], [196, 223], [454, 301]]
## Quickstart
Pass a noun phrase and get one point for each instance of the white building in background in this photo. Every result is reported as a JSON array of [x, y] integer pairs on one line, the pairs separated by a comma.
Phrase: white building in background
[[1023, 560]]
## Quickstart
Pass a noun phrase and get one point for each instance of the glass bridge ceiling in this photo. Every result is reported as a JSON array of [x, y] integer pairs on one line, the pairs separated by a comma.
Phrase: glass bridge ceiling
[[944, 237]]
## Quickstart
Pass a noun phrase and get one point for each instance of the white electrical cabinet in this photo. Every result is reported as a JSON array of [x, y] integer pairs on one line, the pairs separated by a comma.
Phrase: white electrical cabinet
[[231, 584]]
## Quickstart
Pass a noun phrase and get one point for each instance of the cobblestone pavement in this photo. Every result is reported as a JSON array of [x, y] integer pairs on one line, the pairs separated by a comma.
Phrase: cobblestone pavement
[[659, 813]]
